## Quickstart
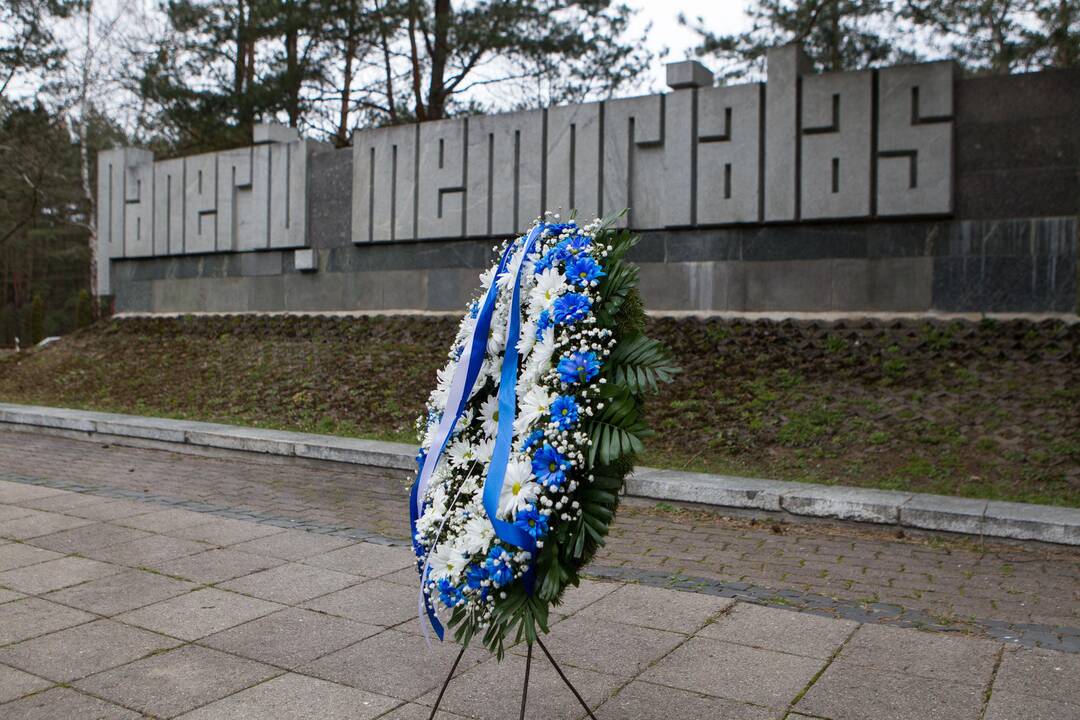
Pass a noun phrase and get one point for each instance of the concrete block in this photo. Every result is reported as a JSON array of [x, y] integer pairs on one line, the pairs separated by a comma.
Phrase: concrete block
[[109, 245], [1021, 521], [266, 294], [574, 157], [330, 198], [253, 224], [915, 138], [440, 198], [274, 133], [845, 503], [729, 150], [138, 211], [688, 74], [357, 452], [288, 195], [322, 291], [169, 207], [634, 161], [305, 260], [679, 158], [160, 429], [665, 286], [949, 514], [796, 285], [200, 203], [45, 417], [505, 173], [234, 201], [231, 437], [384, 184], [901, 284], [450, 288], [258, 264], [837, 128], [785, 65], [707, 489]]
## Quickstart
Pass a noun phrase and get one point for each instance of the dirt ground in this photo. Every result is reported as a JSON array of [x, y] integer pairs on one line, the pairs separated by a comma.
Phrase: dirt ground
[[986, 409]]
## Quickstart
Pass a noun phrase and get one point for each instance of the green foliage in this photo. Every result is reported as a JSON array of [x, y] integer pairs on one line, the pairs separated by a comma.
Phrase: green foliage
[[84, 309], [37, 319], [618, 429], [639, 363], [999, 36]]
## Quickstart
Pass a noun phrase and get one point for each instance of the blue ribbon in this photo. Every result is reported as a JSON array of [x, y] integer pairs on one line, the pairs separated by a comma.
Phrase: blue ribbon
[[506, 532]]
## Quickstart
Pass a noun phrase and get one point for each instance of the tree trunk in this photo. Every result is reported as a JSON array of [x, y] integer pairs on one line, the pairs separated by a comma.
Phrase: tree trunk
[[85, 110], [414, 57], [292, 64], [341, 138], [436, 103], [391, 103]]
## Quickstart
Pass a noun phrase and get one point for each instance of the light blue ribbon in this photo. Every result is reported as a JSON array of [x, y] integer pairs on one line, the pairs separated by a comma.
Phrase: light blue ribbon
[[461, 387]]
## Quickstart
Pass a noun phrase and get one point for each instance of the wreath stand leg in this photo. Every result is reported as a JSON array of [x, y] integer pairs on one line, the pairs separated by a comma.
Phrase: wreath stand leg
[[525, 686]]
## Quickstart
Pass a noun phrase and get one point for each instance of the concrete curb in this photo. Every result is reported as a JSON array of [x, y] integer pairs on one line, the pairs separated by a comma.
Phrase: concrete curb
[[913, 510]]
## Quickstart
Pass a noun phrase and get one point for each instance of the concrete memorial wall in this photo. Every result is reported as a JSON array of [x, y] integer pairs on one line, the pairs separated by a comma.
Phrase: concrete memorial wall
[[894, 189]]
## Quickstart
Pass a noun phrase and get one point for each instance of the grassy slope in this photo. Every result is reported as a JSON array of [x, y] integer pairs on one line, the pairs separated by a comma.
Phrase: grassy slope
[[982, 410]]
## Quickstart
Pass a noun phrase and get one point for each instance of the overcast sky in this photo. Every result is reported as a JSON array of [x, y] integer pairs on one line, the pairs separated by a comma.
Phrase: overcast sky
[[720, 16]]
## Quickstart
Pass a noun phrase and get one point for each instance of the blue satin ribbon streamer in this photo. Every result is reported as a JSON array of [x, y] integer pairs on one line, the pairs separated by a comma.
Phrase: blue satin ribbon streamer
[[500, 456], [505, 531]]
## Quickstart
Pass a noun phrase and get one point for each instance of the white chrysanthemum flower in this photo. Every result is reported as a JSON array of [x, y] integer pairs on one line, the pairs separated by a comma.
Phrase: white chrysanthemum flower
[[448, 561], [534, 406], [518, 488], [526, 339], [483, 450], [549, 285], [462, 454], [478, 535], [487, 276], [540, 357], [489, 411]]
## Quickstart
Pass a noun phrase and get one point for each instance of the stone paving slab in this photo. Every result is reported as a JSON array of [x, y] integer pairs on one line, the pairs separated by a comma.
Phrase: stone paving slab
[[1009, 520], [296, 697], [65, 703], [641, 652], [83, 650], [171, 683], [1019, 592]]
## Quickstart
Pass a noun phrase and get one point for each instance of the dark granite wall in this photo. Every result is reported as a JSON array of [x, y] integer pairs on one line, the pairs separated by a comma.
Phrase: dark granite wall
[[1012, 245]]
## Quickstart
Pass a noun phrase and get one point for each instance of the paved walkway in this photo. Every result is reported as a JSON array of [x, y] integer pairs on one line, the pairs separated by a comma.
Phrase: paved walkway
[[1017, 591], [123, 608]]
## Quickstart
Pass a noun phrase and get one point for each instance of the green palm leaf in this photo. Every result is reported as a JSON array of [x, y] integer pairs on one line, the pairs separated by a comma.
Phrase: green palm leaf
[[640, 363]]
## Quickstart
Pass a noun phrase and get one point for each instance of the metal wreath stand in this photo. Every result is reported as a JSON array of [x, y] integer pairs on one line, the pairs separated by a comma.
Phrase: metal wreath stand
[[525, 687]]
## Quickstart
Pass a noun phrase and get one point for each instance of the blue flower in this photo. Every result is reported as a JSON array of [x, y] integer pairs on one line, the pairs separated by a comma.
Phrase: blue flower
[[449, 594], [534, 437], [583, 270], [549, 467], [543, 322], [579, 243], [578, 367], [572, 307], [498, 567], [475, 575], [564, 411], [556, 254], [556, 229], [533, 522]]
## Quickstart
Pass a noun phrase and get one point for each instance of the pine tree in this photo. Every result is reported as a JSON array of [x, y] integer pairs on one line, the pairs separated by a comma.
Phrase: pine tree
[[836, 34]]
